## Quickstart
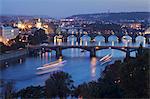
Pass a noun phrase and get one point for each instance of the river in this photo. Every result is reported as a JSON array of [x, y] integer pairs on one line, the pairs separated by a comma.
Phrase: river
[[79, 65]]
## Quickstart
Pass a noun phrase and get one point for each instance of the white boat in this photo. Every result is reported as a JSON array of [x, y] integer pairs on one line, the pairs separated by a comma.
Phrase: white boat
[[47, 71], [106, 59], [103, 58], [52, 65]]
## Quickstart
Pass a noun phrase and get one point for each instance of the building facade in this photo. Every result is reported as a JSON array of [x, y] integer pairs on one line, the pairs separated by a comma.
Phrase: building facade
[[8, 32]]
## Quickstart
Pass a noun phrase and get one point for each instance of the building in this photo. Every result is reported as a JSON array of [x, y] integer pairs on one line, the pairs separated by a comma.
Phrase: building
[[8, 32], [39, 24], [147, 31]]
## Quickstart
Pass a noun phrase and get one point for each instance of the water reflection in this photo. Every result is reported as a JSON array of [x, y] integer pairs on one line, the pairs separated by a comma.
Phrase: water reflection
[[113, 38], [93, 67]]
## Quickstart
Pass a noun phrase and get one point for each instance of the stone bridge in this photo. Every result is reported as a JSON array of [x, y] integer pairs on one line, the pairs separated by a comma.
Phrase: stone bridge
[[92, 35], [92, 49]]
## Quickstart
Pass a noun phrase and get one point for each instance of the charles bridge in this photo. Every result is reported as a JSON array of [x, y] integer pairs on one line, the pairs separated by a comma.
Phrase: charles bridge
[[93, 34]]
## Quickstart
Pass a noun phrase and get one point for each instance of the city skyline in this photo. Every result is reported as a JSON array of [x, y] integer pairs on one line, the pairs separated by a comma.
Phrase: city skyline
[[64, 8]]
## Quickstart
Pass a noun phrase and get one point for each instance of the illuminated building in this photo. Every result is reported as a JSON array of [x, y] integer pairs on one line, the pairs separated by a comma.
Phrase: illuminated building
[[135, 26], [7, 32], [38, 24], [147, 31], [20, 25]]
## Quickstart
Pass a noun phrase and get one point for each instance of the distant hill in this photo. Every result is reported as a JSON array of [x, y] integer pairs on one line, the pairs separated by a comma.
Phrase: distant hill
[[114, 16]]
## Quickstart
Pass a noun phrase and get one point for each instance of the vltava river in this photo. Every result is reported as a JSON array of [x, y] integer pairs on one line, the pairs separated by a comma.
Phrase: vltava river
[[79, 65]]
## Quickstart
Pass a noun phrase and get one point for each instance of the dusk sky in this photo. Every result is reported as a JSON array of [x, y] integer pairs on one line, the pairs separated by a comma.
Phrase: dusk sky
[[63, 8]]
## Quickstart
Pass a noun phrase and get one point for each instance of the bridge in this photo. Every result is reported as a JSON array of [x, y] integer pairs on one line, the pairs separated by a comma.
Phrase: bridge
[[92, 34], [91, 48]]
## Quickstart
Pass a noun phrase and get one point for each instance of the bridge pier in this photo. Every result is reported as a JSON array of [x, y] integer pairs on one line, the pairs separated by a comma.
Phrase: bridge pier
[[119, 39], [58, 52], [133, 40], [92, 39], [92, 52], [106, 40], [78, 40], [147, 40], [128, 54]]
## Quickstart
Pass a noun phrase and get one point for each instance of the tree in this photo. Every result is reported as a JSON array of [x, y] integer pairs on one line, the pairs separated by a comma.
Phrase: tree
[[31, 92], [38, 37], [99, 89], [131, 76], [59, 84], [134, 76], [8, 90], [2, 47]]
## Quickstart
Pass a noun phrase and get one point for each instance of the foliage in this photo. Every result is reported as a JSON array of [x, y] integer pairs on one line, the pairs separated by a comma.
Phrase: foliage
[[7, 89], [134, 76], [38, 37], [128, 79], [3, 47], [59, 84], [31, 92]]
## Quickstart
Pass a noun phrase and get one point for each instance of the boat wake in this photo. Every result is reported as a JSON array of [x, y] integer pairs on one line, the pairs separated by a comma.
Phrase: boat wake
[[106, 59], [50, 67]]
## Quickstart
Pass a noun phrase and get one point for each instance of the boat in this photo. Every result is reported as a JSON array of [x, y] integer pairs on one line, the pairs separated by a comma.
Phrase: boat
[[103, 58], [47, 71], [109, 60], [52, 65]]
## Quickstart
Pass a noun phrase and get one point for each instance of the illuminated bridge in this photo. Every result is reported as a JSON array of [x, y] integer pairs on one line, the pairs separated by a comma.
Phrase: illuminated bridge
[[91, 48], [93, 34]]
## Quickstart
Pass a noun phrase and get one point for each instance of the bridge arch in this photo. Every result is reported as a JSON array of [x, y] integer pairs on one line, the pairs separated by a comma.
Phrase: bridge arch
[[58, 39], [75, 52], [85, 38], [113, 52], [110, 48], [113, 38], [100, 38], [140, 39], [126, 38], [71, 38], [75, 48]]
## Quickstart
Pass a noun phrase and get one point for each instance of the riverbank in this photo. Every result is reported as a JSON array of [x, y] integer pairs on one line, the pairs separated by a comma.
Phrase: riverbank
[[11, 56]]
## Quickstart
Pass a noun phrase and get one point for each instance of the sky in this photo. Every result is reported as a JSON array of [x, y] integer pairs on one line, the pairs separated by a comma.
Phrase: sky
[[64, 8]]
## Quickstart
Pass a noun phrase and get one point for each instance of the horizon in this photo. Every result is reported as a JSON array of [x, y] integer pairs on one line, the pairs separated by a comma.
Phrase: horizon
[[71, 15], [65, 8]]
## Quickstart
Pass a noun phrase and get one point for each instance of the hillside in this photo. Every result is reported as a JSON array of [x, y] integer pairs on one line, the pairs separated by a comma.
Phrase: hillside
[[114, 16]]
